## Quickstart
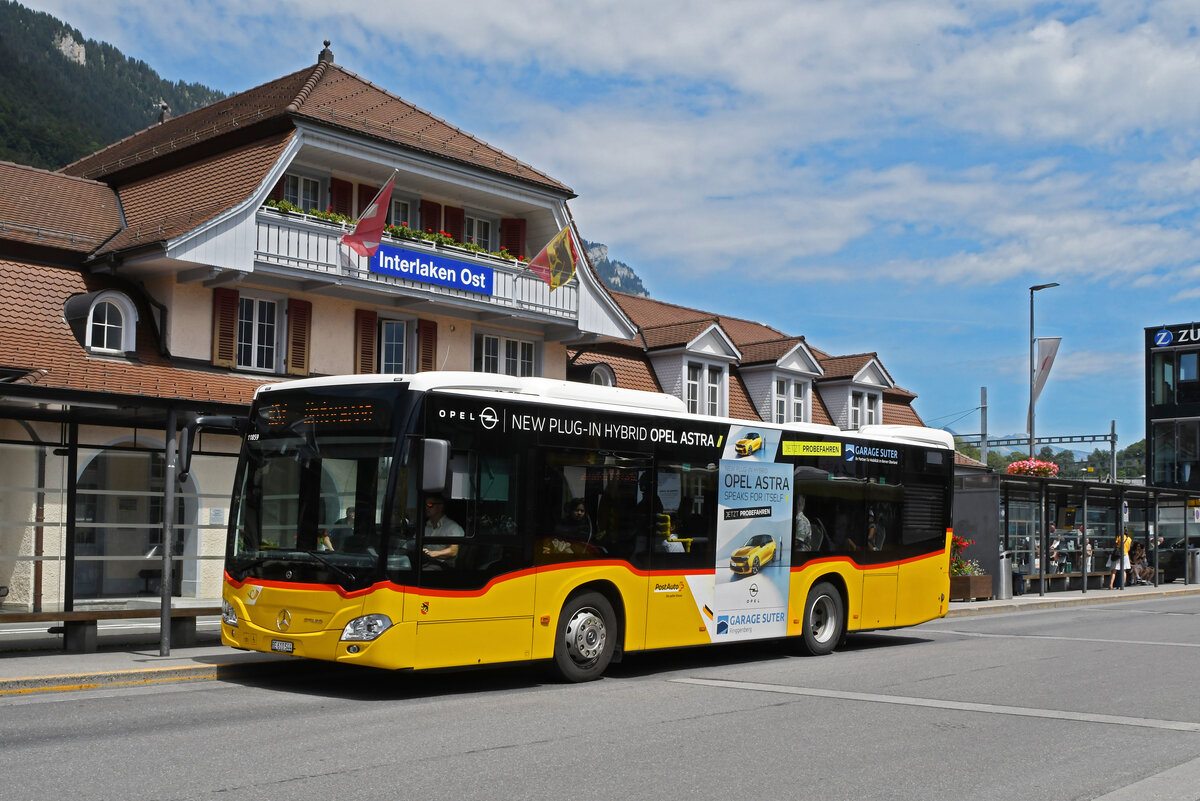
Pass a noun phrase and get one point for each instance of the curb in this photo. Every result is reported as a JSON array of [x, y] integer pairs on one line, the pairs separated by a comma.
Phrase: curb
[[27, 685], [1104, 597]]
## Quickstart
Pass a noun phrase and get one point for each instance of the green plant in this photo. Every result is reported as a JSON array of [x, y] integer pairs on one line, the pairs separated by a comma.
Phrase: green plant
[[401, 231]]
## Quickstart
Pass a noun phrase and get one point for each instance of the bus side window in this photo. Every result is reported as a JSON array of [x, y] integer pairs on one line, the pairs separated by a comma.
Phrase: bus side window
[[483, 500], [684, 528]]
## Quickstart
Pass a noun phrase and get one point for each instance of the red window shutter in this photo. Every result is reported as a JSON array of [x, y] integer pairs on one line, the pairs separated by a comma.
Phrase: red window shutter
[[426, 345], [512, 236], [299, 336], [224, 326], [456, 223], [277, 192], [366, 193], [341, 194], [366, 336], [431, 216]]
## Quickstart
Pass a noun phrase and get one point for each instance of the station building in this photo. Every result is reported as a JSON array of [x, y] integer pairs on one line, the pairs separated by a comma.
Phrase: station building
[[172, 273]]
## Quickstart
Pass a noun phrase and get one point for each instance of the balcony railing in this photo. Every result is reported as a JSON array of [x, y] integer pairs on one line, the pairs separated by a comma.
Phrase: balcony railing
[[312, 247]]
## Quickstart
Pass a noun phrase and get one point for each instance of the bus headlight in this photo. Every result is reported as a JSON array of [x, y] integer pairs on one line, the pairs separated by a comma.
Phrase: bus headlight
[[367, 627], [228, 616]]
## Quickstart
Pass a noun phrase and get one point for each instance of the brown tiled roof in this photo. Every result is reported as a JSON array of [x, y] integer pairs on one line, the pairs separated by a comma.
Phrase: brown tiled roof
[[46, 208], [669, 325], [900, 414], [325, 94], [170, 204], [740, 405], [630, 369], [848, 366], [647, 313], [675, 334], [819, 411], [962, 460], [768, 352], [35, 337]]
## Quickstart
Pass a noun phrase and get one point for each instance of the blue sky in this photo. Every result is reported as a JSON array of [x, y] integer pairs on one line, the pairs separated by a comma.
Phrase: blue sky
[[876, 176]]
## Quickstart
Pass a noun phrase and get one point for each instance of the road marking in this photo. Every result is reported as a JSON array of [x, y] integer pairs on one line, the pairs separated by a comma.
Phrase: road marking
[[1175, 784], [1069, 639], [937, 703]]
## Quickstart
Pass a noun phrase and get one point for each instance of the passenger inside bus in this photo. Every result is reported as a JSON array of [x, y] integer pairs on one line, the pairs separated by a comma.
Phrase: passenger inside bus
[[575, 523]]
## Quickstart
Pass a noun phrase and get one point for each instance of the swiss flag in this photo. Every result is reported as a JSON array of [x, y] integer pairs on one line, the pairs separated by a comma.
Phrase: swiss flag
[[368, 231]]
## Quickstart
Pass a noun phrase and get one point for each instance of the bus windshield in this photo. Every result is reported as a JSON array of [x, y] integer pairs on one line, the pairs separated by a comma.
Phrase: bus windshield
[[313, 482]]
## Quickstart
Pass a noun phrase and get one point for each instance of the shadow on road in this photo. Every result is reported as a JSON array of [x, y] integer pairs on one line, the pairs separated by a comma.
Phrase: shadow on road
[[331, 680]]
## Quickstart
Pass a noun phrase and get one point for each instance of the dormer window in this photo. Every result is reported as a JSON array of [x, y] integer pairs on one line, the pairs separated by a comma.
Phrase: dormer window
[[705, 388], [111, 324], [789, 400], [864, 409]]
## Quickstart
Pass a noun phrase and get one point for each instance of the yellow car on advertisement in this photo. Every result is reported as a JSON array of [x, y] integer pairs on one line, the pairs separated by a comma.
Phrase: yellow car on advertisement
[[748, 444], [751, 557]]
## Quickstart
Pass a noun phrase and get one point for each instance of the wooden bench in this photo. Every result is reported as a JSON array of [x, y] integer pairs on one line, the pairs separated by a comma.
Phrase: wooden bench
[[79, 626]]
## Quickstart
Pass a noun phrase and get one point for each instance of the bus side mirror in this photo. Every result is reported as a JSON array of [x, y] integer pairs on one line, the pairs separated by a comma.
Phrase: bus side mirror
[[435, 466], [227, 423]]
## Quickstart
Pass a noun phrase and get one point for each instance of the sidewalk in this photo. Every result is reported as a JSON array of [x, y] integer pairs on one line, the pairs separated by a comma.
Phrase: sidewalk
[[25, 672], [1051, 600]]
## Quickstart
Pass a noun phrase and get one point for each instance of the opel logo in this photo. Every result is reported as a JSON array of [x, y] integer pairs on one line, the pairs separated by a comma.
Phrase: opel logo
[[283, 621], [489, 418], [753, 590]]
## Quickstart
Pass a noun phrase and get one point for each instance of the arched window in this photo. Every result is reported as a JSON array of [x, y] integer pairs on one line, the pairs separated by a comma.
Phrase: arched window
[[603, 375], [111, 324]]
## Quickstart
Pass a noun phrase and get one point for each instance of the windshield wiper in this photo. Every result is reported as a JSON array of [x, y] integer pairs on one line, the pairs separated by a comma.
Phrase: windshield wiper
[[346, 575]]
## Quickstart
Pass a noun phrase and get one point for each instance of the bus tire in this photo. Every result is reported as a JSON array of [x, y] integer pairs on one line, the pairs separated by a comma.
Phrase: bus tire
[[824, 619], [586, 638]]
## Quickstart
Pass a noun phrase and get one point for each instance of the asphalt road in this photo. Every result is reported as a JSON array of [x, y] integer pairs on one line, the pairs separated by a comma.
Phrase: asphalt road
[[1075, 703]]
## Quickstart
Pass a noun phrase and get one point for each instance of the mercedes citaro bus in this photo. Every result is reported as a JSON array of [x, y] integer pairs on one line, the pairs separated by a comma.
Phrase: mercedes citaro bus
[[450, 519]]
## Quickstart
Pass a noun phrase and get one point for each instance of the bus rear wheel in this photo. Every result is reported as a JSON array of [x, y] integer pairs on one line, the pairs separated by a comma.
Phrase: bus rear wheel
[[824, 619], [586, 637]]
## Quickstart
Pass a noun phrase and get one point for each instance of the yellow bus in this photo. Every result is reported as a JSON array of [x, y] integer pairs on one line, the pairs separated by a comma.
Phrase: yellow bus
[[451, 519]]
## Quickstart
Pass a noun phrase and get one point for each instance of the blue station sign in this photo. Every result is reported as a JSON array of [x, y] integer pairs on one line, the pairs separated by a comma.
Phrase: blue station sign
[[432, 268]]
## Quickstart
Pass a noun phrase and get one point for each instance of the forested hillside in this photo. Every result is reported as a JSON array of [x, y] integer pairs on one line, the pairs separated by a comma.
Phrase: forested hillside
[[63, 96]]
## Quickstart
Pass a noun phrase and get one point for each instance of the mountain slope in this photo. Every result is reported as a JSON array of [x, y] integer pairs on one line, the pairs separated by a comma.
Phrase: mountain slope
[[62, 97], [615, 274]]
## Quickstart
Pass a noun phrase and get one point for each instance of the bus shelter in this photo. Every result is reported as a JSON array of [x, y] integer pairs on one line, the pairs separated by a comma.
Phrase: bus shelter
[[1056, 534]]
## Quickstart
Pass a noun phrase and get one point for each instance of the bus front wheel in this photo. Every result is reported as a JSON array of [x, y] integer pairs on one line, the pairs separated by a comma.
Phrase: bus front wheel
[[824, 619], [586, 637]]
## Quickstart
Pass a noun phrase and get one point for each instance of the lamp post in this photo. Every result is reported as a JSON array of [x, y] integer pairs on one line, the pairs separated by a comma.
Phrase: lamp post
[[1042, 539]]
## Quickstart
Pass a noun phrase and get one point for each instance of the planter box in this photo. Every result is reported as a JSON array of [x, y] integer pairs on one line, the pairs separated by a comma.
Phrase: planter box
[[970, 588]]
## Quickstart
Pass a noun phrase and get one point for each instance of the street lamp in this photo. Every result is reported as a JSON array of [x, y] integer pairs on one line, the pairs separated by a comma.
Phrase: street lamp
[[1033, 363]]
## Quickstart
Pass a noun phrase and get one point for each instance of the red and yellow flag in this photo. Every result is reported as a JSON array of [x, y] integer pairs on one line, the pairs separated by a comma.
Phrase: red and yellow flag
[[555, 264]]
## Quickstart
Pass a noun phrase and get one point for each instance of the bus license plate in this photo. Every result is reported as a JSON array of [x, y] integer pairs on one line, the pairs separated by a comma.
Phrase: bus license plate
[[282, 646]]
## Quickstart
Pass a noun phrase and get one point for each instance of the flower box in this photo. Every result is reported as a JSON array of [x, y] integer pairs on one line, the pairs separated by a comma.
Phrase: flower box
[[970, 588]]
